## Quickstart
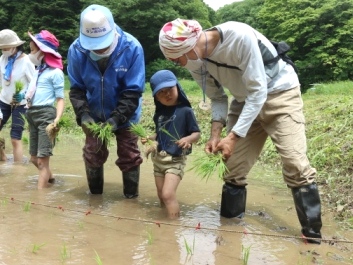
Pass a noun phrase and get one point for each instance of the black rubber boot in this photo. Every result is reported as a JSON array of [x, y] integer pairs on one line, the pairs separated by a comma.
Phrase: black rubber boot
[[95, 179], [308, 206], [131, 182], [233, 201]]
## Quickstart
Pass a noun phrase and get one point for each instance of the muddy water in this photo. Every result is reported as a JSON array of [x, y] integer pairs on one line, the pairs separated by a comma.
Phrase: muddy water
[[66, 225]]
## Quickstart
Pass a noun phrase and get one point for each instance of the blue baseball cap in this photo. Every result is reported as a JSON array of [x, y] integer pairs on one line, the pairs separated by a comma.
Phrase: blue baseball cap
[[97, 28], [162, 79]]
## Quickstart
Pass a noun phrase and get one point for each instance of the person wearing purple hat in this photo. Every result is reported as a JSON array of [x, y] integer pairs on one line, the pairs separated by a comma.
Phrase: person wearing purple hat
[[175, 116], [15, 70], [45, 89], [106, 70]]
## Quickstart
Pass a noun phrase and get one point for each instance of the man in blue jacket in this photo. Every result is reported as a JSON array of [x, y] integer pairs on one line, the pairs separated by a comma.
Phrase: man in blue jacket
[[106, 70]]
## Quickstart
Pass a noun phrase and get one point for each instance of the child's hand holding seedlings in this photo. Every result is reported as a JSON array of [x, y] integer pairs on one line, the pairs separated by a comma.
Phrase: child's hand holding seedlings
[[186, 142], [148, 139], [151, 144], [144, 140]]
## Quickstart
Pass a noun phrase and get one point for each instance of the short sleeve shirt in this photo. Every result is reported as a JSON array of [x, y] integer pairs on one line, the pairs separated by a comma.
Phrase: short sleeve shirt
[[179, 121]]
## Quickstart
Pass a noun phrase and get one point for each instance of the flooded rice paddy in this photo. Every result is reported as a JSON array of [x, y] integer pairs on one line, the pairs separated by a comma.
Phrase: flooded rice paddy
[[64, 224]]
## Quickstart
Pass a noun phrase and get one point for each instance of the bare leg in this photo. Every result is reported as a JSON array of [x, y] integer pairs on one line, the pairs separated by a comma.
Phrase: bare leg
[[170, 186], [44, 172], [2, 155], [42, 164], [2, 149], [17, 150], [159, 185]]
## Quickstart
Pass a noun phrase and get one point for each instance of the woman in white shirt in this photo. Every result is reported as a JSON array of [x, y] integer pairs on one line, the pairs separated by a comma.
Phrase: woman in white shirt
[[15, 68]]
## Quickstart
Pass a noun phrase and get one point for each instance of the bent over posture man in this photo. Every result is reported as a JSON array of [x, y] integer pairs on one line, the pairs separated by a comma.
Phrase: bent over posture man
[[266, 102], [107, 76]]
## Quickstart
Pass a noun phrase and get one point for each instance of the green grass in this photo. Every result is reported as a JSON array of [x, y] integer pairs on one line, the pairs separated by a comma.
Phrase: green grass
[[328, 111], [338, 88]]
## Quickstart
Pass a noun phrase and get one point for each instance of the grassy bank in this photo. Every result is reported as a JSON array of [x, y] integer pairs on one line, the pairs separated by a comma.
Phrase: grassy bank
[[329, 117], [328, 110]]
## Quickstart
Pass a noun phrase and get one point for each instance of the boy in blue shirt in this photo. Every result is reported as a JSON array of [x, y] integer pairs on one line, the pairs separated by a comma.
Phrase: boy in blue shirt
[[176, 131]]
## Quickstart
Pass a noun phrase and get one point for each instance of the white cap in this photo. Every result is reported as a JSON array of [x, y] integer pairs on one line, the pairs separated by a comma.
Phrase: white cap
[[97, 28]]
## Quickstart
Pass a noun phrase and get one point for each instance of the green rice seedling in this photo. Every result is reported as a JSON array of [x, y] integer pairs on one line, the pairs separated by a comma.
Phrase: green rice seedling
[[4, 202], [152, 262], [37, 247], [18, 89], [205, 165], [104, 133], [64, 253], [98, 259], [189, 249], [245, 254], [18, 86], [137, 129], [64, 121], [150, 237], [27, 206], [80, 225], [168, 133]]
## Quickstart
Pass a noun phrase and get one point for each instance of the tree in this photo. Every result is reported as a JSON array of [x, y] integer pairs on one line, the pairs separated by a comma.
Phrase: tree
[[144, 19], [244, 11], [319, 32], [61, 17]]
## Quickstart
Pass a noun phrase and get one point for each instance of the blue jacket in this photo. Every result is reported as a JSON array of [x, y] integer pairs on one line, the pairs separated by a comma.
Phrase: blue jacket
[[125, 72]]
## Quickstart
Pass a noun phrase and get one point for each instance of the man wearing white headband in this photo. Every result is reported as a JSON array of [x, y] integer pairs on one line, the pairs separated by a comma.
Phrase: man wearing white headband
[[267, 102], [107, 75]]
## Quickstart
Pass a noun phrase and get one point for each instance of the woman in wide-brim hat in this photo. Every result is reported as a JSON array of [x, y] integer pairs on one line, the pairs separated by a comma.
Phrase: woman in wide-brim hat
[[16, 70], [46, 89]]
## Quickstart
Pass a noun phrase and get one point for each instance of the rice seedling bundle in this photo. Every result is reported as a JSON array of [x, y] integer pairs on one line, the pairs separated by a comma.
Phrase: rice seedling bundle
[[103, 133], [18, 86], [140, 131], [52, 131], [18, 89], [205, 165]]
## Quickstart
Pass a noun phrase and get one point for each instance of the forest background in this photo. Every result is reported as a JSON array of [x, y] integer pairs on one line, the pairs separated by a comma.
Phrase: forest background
[[320, 32]]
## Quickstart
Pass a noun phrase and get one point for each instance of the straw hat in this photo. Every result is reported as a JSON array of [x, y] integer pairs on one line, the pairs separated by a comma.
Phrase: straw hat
[[9, 39]]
